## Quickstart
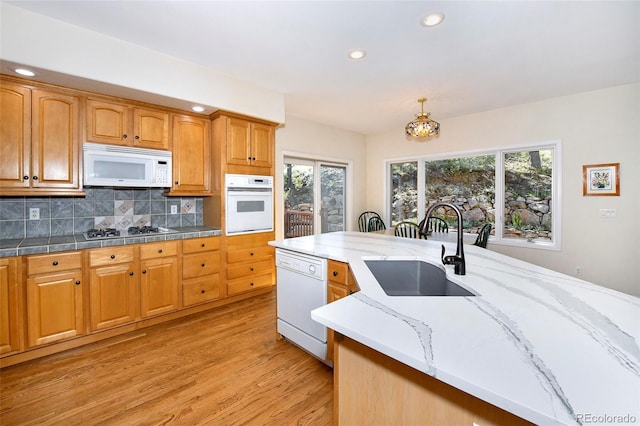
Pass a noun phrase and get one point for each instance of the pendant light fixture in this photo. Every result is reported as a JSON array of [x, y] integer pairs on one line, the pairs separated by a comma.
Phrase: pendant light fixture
[[422, 126]]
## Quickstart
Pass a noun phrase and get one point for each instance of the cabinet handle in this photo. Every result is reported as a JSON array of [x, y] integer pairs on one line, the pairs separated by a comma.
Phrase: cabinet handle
[[160, 251], [144, 271], [130, 274], [78, 282], [335, 273], [137, 137], [124, 136], [25, 177], [113, 256], [35, 178], [55, 263]]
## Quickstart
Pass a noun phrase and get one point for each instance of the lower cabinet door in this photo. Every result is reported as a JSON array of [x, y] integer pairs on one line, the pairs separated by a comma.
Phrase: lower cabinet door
[[113, 296], [54, 307], [158, 286]]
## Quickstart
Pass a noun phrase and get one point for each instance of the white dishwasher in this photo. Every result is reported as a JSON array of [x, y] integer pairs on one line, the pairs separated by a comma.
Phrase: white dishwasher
[[301, 287]]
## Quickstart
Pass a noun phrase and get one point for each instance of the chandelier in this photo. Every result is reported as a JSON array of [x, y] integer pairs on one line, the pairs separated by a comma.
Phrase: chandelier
[[422, 126]]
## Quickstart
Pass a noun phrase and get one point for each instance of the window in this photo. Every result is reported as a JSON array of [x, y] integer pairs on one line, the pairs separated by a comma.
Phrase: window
[[516, 190], [314, 197]]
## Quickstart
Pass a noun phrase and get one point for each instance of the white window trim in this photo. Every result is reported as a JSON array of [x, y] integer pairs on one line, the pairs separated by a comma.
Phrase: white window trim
[[498, 239]]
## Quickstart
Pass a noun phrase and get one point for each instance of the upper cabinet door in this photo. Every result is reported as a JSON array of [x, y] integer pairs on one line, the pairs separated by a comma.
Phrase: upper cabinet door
[[262, 149], [55, 140], [191, 156], [107, 122], [15, 135], [150, 129], [238, 142]]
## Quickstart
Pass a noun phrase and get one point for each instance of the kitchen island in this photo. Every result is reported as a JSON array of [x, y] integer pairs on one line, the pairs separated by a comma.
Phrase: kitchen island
[[547, 347]]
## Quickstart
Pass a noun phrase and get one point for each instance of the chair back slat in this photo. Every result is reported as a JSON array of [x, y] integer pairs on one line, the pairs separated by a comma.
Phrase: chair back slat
[[363, 220], [375, 224], [483, 236]]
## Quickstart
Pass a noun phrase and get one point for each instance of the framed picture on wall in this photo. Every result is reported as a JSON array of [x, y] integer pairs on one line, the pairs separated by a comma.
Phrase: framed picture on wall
[[601, 179]]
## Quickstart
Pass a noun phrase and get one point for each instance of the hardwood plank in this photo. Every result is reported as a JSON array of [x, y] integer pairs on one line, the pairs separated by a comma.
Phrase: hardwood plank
[[223, 366]]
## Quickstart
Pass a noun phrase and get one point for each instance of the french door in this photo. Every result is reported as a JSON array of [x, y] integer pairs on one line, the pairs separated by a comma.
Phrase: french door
[[314, 197]]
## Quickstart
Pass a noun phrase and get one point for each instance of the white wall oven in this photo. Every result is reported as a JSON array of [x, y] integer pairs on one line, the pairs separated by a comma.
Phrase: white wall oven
[[249, 204]]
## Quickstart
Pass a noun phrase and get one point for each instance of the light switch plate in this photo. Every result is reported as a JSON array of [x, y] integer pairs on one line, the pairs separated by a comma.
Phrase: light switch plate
[[607, 213]]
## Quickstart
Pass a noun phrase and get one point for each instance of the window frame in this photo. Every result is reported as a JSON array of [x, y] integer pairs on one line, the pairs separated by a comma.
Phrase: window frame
[[498, 152]]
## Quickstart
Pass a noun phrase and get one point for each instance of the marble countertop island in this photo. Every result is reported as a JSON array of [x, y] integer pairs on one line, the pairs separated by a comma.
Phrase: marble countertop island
[[547, 347]]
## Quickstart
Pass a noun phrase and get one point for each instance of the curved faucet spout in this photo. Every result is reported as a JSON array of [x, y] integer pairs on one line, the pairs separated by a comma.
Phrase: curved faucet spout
[[457, 260]]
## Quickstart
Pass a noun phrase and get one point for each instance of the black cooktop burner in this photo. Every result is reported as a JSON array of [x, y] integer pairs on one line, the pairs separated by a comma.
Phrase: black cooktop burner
[[135, 230], [102, 233]]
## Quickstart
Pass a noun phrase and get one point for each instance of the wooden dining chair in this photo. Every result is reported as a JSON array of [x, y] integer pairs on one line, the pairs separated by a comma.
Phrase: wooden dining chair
[[483, 236], [363, 220], [376, 224], [435, 224], [408, 230]]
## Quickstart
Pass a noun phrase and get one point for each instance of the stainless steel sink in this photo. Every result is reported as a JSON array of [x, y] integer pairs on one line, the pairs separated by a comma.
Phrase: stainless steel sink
[[413, 278]]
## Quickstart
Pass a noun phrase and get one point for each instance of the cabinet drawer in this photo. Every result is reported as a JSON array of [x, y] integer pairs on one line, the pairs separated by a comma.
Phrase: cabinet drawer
[[338, 272], [199, 264], [244, 255], [250, 268], [201, 289], [53, 262], [111, 256], [160, 249], [198, 245], [241, 285]]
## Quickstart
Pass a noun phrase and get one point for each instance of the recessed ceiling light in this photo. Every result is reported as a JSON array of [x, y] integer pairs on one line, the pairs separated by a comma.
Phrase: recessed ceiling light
[[357, 54], [197, 108], [25, 72], [432, 19]]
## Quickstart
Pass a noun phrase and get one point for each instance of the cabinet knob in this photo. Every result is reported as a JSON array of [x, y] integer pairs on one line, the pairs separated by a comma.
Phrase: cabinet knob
[[35, 178], [177, 183], [202, 265], [251, 269], [55, 263], [202, 245], [113, 256], [248, 158], [253, 158], [130, 274], [137, 137], [25, 177], [202, 291], [160, 251], [78, 282], [335, 273], [124, 136], [251, 284], [251, 254], [144, 271]]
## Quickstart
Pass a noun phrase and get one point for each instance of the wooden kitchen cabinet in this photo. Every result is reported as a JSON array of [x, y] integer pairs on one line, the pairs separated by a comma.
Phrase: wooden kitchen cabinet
[[249, 264], [39, 141], [249, 143], [11, 323], [113, 286], [126, 125], [54, 297], [340, 283], [159, 282], [192, 160], [201, 271]]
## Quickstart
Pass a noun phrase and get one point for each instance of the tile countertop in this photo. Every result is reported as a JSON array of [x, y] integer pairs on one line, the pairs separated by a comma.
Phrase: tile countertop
[[545, 346], [26, 246]]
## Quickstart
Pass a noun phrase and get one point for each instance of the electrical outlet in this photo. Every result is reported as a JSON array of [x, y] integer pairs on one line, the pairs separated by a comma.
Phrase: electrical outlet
[[34, 213], [608, 213], [578, 271], [174, 209]]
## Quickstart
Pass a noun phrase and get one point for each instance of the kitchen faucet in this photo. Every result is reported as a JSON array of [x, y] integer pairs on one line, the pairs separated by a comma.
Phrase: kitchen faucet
[[458, 259]]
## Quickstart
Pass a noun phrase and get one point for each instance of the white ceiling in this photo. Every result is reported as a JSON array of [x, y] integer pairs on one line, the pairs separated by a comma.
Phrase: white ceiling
[[485, 55]]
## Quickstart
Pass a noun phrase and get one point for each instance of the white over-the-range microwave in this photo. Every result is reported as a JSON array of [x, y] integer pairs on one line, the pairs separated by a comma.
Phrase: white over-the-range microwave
[[112, 165]]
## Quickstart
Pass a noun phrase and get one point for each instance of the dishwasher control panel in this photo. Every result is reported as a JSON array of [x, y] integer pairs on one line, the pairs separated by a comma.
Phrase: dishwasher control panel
[[306, 265]]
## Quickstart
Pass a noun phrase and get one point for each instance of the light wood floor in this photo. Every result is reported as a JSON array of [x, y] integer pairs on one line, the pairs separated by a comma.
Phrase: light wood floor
[[221, 367]]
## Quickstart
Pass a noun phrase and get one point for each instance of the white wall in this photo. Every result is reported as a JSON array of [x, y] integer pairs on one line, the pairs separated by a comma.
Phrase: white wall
[[595, 127], [326, 143], [35, 40]]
